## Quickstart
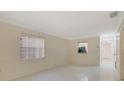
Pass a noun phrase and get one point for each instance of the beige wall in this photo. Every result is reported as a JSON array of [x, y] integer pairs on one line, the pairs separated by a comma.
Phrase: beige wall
[[91, 58], [11, 66], [58, 52], [122, 54]]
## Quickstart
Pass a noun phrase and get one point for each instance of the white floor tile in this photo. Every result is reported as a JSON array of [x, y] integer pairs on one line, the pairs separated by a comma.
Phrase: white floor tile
[[74, 73]]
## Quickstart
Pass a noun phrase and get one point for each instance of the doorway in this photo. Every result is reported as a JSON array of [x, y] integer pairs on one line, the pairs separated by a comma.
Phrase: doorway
[[108, 55], [108, 50]]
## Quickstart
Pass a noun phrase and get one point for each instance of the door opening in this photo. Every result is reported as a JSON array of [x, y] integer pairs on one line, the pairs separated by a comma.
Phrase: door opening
[[108, 50]]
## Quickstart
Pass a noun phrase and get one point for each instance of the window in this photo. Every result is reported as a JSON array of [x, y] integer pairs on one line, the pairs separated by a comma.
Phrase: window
[[31, 47], [82, 47]]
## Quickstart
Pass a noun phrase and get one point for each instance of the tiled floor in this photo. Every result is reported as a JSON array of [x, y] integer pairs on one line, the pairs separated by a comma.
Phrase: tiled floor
[[75, 73]]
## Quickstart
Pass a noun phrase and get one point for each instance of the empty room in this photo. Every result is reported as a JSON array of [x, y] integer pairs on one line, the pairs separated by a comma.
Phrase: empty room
[[61, 45]]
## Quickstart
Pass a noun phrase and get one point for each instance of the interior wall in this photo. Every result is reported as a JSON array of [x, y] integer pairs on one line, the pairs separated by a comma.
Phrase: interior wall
[[11, 66], [122, 54], [92, 58]]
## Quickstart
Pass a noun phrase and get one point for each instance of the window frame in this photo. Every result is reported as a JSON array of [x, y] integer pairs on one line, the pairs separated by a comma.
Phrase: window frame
[[31, 36], [87, 47]]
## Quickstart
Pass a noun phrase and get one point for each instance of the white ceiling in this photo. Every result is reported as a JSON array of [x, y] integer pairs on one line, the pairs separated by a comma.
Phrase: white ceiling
[[70, 25]]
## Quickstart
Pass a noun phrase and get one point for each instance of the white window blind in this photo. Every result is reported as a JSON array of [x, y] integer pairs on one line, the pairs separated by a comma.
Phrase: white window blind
[[32, 47]]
